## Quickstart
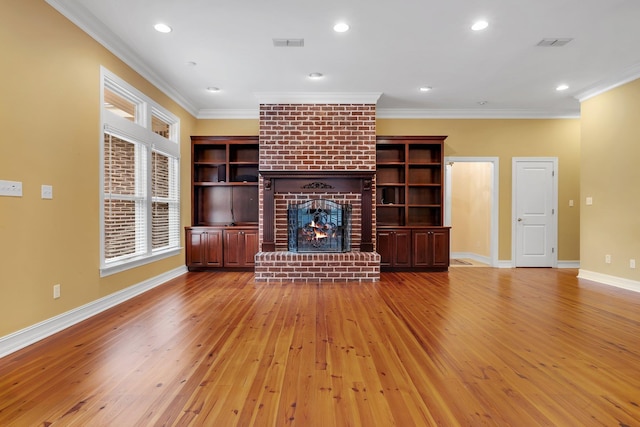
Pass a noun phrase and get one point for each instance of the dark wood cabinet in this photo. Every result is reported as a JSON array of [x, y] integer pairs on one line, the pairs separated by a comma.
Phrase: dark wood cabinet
[[240, 247], [204, 247], [218, 247], [394, 247], [431, 247], [224, 196], [410, 201]]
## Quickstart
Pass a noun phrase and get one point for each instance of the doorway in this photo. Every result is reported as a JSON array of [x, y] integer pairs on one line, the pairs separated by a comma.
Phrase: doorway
[[471, 207]]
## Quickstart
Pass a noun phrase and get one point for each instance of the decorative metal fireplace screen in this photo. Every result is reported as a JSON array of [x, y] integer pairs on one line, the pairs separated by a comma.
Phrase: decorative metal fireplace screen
[[319, 226]]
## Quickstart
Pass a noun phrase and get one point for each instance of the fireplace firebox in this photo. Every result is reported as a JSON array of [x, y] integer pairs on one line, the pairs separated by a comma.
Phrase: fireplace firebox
[[319, 225]]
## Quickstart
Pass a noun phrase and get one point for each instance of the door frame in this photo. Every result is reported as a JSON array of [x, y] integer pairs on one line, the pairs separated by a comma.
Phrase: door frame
[[495, 161], [554, 201]]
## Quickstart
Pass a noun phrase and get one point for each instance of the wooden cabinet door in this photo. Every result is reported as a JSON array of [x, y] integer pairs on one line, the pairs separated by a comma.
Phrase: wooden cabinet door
[[422, 253], [440, 247], [214, 248], [250, 246], [431, 247], [394, 247], [233, 253], [203, 247], [196, 241], [240, 247], [384, 246], [402, 249]]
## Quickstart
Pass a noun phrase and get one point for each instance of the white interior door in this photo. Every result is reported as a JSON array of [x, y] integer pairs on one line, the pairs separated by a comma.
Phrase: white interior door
[[535, 206]]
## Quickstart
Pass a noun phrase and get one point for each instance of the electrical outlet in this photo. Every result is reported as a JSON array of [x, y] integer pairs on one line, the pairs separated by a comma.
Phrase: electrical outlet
[[11, 188], [632, 263], [56, 291], [47, 192], [607, 259]]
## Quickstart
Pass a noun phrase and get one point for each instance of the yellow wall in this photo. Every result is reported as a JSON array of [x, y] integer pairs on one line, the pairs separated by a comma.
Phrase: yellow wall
[[236, 127], [610, 175], [49, 116], [471, 208]]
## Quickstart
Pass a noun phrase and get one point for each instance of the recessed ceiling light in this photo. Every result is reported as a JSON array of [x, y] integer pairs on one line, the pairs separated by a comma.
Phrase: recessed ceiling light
[[479, 25], [482, 102], [425, 88], [213, 89], [562, 87], [162, 28], [341, 27], [316, 76]]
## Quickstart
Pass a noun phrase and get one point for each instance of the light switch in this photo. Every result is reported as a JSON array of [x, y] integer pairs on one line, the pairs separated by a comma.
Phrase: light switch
[[11, 188], [571, 203], [589, 201], [47, 192]]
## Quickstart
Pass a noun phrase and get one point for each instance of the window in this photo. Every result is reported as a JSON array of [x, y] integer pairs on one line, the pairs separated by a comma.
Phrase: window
[[140, 163]]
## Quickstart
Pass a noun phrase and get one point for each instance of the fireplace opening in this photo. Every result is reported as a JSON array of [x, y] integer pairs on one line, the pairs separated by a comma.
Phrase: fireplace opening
[[319, 225]]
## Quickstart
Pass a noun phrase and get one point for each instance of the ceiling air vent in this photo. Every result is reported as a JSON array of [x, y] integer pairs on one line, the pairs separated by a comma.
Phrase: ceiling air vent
[[288, 42], [553, 42]]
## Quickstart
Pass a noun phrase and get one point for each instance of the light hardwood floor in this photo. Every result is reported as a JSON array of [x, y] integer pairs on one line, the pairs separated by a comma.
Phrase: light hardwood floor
[[471, 347]]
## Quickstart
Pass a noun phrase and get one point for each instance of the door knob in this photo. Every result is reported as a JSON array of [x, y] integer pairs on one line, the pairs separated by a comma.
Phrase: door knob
[[519, 219]]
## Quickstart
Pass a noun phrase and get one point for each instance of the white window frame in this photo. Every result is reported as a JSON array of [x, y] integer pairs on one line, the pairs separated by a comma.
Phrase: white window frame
[[139, 131]]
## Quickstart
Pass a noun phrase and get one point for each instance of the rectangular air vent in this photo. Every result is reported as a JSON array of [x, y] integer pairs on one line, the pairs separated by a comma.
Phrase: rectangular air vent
[[553, 42], [288, 42]]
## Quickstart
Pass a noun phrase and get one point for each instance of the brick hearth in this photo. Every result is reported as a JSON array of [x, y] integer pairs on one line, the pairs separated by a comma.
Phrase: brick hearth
[[338, 139]]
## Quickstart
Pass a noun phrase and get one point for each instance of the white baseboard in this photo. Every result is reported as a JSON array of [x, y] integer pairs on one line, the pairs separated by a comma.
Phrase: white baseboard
[[472, 256], [605, 279], [29, 335], [568, 264], [507, 263]]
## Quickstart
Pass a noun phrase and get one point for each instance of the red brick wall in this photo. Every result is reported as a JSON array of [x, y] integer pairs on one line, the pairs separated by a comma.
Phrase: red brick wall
[[304, 137], [317, 137]]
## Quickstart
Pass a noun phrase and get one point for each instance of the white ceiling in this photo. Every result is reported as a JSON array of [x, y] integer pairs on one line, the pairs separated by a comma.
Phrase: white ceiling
[[392, 49]]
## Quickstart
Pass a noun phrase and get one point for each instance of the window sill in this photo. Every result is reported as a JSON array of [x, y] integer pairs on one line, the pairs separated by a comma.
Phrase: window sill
[[118, 267]]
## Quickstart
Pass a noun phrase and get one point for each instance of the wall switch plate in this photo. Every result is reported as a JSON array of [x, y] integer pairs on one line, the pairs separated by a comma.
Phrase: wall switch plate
[[607, 259], [632, 263], [589, 201], [11, 188], [47, 192], [56, 291], [571, 203]]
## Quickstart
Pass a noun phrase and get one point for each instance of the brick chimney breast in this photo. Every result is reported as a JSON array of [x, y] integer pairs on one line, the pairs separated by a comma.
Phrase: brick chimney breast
[[316, 137]]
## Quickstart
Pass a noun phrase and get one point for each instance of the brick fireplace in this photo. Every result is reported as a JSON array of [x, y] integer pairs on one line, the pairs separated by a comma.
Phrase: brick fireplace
[[317, 151]]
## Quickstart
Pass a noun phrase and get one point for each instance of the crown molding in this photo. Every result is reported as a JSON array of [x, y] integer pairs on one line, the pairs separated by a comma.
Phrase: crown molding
[[88, 23], [410, 113], [627, 75], [228, 114], [318, 97], [400, 113]]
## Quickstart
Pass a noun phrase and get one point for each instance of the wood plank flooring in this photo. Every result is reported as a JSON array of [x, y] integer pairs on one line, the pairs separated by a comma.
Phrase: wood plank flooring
[[471, 347]]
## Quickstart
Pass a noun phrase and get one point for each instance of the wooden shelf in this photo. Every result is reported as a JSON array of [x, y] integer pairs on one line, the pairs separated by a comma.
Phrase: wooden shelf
[[410, 202], [224, 187]]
